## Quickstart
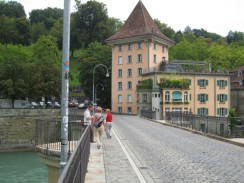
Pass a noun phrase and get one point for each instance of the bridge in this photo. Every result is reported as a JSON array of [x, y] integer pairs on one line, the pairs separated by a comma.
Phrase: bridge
[[143, 150]]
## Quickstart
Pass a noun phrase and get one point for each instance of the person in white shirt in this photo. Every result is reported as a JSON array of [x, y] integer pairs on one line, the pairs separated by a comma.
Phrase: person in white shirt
[[88, 119]]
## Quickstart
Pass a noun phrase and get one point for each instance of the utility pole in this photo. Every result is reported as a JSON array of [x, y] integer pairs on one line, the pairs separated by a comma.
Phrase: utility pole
[[65, 85]]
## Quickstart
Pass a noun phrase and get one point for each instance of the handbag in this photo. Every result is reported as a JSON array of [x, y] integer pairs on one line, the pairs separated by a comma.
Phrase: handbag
[[99, 122]]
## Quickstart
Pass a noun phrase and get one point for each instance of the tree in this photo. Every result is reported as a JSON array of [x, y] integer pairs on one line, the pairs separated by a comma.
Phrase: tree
[[92, 22], [38, 30], [48, 16], [57, 31], [167, 31], [95, 54], [47, 60], [12, 9]]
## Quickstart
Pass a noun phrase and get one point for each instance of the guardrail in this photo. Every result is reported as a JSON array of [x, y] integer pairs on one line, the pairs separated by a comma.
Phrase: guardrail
[[76, 167]]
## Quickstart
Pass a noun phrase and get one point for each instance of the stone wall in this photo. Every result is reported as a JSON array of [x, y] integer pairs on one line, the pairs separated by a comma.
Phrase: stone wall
[[17, 127]]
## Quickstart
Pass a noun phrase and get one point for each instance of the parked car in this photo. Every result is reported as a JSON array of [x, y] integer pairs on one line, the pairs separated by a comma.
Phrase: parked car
[[34, 104], [81, 106], [71, 104], [56, 105]]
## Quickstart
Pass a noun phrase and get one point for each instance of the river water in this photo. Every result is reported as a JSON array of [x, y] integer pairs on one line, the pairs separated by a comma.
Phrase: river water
[[22, 167]]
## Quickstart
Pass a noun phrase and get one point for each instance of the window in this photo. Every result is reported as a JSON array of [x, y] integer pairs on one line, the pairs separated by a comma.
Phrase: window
[[120, 73], [139, 46], [163, 49], [202, 97], [139, 58], [185, 96], [129, 59], [177, 96], [221, 83], [120, 109], [167, 97], [138, 98], [154, 58], [129, 110], [139, 71], [155, 46], [222, 111], [144, 97], [177, 110], [186, 110], [120, 85], [120, 48], [120, 98], [129, 98], [221, 97], [167, 109], [203, 83], [120, 61], [129, 85], [129, 72], [202, 111], [129, 46]]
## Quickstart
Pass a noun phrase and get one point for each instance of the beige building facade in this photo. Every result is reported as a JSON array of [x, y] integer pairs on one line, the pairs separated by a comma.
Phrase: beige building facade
[[203, 93]]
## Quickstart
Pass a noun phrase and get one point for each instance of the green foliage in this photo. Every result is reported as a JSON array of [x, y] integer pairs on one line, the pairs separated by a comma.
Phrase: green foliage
[[12, 9], [145, 84], [233, 118], [96, 54], [174, 83], [167, 31]]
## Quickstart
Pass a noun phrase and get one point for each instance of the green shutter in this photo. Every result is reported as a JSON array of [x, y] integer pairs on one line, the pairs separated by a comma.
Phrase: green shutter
[[198, 97], [217, 82], [225, 97], [198, 82], [226, 111], [206, 97], [225, 83], [218, 111], [198, 111], [206, 111], [206, 82], [190, 97], [189, 80], [218, 97]]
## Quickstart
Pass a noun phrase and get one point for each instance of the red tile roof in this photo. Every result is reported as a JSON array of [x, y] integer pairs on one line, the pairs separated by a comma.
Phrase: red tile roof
[[139, 23]]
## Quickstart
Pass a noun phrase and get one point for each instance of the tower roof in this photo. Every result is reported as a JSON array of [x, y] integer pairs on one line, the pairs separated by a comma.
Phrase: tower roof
[[139, 23]]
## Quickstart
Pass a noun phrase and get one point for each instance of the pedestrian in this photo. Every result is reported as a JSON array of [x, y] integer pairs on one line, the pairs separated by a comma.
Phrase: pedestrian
[[88, 121], [98, 131], [109, 120]]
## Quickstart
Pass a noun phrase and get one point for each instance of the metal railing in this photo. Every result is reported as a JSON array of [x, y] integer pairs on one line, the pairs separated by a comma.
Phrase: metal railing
[[76, 167], [148, 114], [208, 124], [48, 134]]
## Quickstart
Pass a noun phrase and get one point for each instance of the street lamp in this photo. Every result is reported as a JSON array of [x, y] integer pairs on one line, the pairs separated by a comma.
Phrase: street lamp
[[107, 75], [96, 89]]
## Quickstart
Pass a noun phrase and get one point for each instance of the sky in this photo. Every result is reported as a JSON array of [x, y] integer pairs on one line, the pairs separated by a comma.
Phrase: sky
[[216, 16]]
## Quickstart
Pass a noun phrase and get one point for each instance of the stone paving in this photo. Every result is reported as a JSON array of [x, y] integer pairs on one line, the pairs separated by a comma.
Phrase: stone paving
[[164, 161]]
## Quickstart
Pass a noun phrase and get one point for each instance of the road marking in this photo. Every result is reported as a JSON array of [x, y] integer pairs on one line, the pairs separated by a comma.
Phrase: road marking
[[137, 171]]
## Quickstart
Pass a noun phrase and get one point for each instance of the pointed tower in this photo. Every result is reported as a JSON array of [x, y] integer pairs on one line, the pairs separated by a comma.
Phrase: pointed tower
[[137, 48]]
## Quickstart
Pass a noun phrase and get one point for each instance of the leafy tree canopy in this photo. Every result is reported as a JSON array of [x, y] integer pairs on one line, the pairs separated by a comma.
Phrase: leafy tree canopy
[[12, 9]]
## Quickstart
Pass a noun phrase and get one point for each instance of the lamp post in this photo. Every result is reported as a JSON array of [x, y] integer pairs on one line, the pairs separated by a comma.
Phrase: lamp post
[[96, 89], [107, 75]]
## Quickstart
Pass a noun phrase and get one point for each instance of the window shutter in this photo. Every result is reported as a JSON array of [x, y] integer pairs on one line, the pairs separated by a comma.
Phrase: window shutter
[[206, 111], [217, 97], [198, 97], [225, 83], [206, 82], [217, 82], [198, 111], [218, 111], [206, 97], [198, 82], [226, 111], [189, 80], [225, 97], [190, 97]]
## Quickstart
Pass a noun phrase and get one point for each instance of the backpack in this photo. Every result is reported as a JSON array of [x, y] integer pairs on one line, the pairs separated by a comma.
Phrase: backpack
[[99, 122]]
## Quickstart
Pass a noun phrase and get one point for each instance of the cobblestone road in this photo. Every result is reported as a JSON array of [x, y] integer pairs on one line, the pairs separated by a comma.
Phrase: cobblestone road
[[171, 155]]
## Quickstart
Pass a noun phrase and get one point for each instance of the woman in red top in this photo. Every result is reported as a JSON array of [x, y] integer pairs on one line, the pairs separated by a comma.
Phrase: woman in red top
[[109, 120]]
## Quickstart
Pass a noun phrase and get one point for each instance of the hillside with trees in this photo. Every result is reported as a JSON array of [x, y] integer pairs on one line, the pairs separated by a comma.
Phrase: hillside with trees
[[30, 59]]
